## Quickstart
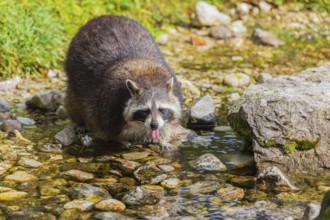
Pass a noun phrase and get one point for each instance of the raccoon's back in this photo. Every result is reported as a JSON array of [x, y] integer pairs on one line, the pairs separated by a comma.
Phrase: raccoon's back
[[105, 40]]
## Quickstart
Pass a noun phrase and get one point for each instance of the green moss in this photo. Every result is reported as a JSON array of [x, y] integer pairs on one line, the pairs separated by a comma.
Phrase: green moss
[[300, 145], [290, 147]]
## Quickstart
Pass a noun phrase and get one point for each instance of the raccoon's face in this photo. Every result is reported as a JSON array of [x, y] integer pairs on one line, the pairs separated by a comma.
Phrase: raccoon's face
[[153, 107]]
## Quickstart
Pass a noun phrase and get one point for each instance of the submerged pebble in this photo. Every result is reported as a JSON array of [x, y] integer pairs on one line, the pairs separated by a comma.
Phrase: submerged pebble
[[21, 177], [110, 205], [79, 175], [208, 162], [79, 204], [7, 196]]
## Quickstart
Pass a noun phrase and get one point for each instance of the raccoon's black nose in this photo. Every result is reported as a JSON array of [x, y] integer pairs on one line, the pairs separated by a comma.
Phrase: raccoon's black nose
[[154, 125]]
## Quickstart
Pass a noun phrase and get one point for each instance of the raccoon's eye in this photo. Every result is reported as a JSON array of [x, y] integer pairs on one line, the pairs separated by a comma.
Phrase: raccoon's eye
[[141, 115], [163, 111]]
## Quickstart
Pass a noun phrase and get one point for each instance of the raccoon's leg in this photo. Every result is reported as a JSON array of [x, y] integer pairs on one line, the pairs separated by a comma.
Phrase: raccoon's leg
[[74, 109]]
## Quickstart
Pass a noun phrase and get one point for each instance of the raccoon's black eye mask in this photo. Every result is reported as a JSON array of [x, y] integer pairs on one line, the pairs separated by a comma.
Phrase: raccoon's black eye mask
[[141, 115]]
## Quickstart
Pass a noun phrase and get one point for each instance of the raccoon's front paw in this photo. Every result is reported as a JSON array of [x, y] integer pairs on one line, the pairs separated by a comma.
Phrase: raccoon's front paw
[[168, 147]]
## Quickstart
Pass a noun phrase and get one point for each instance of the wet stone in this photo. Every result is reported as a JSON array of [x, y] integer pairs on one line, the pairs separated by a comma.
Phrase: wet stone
[[26, 121], [229, 193], [149, 174], [118, 190], [21, 176], [81, 205], [273, 179], [4, 105], [110, 205], [135, 155], [265, 38], [111, 215], [203, 187], [48, 101], [79, 175], [11, 125], [142, 196], [208, 162], [26, 162], [8, 196], [66, 136], [201, 114], [171, 183], [126, 166], [49, 191], [166, 168], [70, 214], [89, 192], [311, 211]]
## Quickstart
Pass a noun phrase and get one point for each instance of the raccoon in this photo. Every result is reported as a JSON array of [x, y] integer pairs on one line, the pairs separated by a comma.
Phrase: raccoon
[[119, 85]]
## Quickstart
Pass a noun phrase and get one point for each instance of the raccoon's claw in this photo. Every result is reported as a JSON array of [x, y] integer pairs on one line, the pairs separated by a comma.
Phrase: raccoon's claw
[[126, 144]]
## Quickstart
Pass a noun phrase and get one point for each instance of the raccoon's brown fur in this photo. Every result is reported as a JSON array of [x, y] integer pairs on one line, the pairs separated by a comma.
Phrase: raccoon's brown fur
[[104, 54]]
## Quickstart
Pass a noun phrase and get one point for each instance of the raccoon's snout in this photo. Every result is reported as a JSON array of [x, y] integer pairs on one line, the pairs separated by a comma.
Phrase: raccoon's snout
[[154, 125]]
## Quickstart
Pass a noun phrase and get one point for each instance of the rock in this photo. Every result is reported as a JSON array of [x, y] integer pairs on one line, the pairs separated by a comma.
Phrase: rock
[[265, 38], [66, 136], [201, 114], [81, 205], [272, 179], [208, 162], [149, 174], [311, 211], [11, 125], [229, 193], [203, 187], [171, 183], [89, 193], [286, 120], [8, 196], [264, 6], [189, 88], [238, 28], [47, 101], [48, 191], [237, 80], [325, 208], [126, 166], [197, 40], [21, 177], [26, 162], [208, 15], [10, 83], [142, 196], [135, 155], [221, 32], [110, 205], [4, 105], [111, 216], [61, 112], [263, 77], [166, 168], [55, 73], [79, 175], [26, 121], [243, 8], [162, 39]]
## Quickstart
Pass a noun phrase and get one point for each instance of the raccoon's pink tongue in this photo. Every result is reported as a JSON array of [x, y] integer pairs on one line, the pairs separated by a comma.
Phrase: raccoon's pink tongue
[[155, 134]]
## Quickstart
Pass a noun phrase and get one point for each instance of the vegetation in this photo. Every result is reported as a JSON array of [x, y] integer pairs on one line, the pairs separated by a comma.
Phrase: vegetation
[[35, 33]]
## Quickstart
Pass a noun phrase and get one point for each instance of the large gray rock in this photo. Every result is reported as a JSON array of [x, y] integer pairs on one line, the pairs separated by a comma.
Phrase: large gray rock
[[287, 120]]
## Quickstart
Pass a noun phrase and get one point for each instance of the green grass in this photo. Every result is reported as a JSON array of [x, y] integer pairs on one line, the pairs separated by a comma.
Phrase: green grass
[[34, 34]]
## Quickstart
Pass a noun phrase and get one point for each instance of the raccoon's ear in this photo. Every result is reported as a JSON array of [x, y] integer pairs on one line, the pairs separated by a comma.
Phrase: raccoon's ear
[[132, 87], [169, 85]]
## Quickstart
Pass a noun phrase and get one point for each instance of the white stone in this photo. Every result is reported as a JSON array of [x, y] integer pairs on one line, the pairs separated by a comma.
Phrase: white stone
[[208, 15]]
